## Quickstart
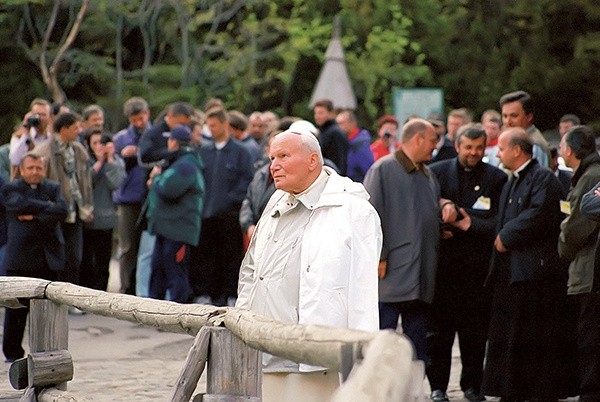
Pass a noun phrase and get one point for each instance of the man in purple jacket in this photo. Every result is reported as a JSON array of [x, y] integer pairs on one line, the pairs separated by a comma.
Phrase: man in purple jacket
[[360, 157], [130, 196]]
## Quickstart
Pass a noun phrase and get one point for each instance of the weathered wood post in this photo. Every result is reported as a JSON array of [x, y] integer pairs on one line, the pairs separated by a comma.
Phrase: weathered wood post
[[48, 328], [234, 369], [193, 368]]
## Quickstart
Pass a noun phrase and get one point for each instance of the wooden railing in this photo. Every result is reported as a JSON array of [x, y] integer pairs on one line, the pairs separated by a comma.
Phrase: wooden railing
[[377, 367]]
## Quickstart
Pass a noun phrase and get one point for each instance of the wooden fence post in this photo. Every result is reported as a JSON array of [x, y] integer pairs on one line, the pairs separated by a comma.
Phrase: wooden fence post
[[48, 328], [234, 369], [193, 368]]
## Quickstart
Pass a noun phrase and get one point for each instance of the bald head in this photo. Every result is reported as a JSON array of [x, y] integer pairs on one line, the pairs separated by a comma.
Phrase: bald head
[[419, 139], [514, 148], [413, 127], [517, 136]]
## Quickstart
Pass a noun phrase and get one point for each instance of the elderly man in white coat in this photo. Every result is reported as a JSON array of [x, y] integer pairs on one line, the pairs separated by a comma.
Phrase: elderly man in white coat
[[312, 260]]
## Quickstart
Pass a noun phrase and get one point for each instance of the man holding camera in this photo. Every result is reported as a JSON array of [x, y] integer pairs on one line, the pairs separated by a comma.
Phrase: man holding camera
[[387, 129], [67, 163], [34, 130]]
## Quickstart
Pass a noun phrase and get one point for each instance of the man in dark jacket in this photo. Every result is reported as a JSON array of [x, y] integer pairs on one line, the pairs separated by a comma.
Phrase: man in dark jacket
[[589, 334], [577, 244], [227, 174], [530, 346], [153, 144], [35, 207], [460, 302], [331, 137], [174, 212]]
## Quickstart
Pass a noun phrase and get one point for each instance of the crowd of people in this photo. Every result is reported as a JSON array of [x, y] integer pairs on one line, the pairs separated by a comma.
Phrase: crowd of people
[[441, 226]]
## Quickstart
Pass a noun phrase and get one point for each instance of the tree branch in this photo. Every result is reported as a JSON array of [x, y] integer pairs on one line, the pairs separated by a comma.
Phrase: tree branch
[[44, 47], [57, 92]]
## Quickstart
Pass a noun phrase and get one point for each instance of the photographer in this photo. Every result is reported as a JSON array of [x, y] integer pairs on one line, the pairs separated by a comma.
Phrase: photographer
[[34, 130], [387, 129], [108, 171]]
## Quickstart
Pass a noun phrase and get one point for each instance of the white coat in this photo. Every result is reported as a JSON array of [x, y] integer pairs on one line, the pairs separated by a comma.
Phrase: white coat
[[341, 245]]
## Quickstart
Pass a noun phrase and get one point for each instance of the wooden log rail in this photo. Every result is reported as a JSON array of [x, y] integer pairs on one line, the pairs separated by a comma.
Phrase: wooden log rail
[[334, 348]]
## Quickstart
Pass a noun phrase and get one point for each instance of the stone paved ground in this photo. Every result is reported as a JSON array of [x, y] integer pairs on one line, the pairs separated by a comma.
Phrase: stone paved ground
[[121, 361]]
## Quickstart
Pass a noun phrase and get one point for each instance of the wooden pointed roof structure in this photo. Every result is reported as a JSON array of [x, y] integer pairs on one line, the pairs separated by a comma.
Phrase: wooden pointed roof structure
[[334, 82]]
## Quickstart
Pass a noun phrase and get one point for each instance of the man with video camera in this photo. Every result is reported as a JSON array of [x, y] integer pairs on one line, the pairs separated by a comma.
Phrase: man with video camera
[[34, 130]]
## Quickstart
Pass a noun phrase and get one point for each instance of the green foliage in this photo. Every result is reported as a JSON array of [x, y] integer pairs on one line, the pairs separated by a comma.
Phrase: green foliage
[[260, 54]]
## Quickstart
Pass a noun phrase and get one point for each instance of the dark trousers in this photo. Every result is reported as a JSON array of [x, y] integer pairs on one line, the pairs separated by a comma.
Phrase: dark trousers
[[97, 250], [73, 234], [588, 344], [462, 310], [170, 270], [15, 319], [472, 353], [14, 328], [216, 261], [415, 317]]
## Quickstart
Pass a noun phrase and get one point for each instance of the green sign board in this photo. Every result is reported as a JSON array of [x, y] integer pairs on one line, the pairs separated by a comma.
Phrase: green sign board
[[417, 101]]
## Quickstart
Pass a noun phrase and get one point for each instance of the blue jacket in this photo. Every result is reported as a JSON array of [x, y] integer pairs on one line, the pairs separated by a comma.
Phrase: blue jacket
[[3, 237], [133, 189], [153, 144], [227, 174], [360, 157], [176, 197]]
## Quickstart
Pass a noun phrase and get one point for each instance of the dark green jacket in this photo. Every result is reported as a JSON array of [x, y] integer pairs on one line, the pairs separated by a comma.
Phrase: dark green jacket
[[577, 241], [176, 198]]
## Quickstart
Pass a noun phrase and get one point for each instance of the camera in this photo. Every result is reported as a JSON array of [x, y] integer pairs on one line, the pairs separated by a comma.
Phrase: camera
[[387, 134], [33, 121], [105, 139]]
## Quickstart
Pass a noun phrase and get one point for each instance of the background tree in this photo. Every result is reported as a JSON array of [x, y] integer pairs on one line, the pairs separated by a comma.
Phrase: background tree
[[260, 54]]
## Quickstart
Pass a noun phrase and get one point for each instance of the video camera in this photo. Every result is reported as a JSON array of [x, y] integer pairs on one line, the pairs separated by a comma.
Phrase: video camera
[[33, 121]]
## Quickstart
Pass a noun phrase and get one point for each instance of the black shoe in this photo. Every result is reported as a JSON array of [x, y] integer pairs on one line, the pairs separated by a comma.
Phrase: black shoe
[[439, 396], [473, 395]]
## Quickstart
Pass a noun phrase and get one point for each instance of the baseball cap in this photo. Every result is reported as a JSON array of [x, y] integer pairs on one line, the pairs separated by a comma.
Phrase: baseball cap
[[180, 133]]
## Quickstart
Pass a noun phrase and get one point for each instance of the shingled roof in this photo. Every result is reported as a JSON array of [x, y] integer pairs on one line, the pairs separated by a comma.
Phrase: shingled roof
[[334, 83]]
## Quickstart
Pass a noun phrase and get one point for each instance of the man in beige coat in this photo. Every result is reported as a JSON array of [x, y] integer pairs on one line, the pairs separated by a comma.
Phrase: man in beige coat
[[67, 163]]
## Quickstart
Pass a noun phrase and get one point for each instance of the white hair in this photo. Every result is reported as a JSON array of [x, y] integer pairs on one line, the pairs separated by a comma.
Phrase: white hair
[[309, 141]]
